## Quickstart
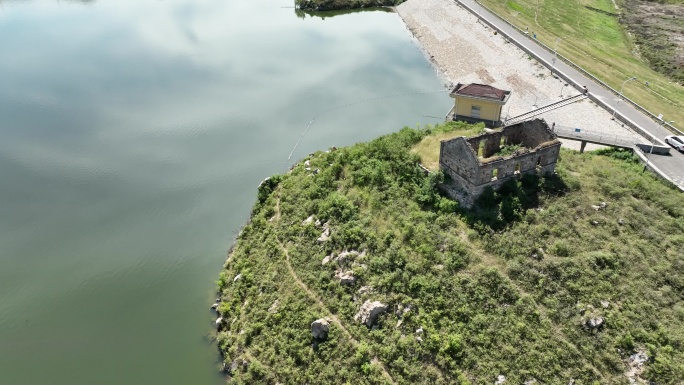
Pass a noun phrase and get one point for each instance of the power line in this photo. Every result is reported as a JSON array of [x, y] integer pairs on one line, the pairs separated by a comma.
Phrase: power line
[[351, 104]]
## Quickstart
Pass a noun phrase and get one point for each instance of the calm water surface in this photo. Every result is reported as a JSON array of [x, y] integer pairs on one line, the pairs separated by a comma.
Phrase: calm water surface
[[132, 138]]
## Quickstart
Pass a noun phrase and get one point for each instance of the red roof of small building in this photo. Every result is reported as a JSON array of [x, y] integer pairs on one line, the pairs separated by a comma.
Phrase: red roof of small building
[[479, 91]]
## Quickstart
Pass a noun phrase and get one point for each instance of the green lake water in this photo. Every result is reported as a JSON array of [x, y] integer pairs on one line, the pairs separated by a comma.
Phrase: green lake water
[[133, 135]]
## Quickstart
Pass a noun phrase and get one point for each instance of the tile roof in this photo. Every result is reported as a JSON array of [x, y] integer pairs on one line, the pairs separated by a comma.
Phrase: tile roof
[[480, 91]]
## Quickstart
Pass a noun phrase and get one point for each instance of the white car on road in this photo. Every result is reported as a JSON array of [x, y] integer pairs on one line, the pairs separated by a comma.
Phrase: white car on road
[[676, 142]]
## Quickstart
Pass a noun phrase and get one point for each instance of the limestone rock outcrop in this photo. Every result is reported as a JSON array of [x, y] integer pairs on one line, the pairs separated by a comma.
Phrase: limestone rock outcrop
[[369, 312], [345, 277], [320, 328]]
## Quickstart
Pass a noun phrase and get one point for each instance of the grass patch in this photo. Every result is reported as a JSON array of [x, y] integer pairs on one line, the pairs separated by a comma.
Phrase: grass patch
[[428, 148], [508, 149]]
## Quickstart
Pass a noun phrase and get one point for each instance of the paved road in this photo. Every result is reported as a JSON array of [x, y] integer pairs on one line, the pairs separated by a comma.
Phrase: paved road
[[671, 165]]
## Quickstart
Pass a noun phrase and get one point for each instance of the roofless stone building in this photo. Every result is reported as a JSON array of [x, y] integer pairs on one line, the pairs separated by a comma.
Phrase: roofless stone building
[[475, 163]]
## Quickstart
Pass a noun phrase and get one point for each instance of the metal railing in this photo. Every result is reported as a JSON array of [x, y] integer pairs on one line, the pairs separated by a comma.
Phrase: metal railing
[[609, 140], [578, 68]]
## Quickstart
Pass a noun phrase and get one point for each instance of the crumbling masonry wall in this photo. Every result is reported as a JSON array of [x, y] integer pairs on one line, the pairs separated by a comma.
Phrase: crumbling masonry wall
[[472, 167]]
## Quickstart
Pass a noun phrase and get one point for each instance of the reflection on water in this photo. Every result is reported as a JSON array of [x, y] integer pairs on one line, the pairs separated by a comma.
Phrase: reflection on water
[[323, 14], [133, 136]]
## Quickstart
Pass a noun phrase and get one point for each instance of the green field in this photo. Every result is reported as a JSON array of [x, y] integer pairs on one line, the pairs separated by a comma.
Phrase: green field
[[598, 43], [507, 288]]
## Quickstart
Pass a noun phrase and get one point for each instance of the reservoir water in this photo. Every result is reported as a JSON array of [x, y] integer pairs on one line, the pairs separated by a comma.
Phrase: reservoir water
[[132, 138]]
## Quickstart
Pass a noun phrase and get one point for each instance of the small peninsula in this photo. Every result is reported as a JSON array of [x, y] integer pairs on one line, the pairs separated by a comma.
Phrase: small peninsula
[[355, 269]]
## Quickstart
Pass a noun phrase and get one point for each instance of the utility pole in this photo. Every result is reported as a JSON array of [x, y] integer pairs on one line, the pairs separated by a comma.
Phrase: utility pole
[[620, 96]]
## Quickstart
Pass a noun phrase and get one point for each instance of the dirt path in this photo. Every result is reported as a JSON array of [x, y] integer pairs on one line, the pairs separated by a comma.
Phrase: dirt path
[[317, 299], [313, 295]]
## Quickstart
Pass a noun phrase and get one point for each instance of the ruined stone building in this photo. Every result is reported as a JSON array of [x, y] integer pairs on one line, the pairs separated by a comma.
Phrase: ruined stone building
[[475, 163]]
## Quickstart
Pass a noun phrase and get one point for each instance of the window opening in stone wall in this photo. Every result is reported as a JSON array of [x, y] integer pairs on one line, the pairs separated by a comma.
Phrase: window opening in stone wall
[[539, 159], [517, 168], [480, 149], [475, 112], [502, 142], [495, 174]]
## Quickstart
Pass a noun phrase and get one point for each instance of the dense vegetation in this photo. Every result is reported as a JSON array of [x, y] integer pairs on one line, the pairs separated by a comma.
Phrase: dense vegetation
[[331, 5], [507, 288]]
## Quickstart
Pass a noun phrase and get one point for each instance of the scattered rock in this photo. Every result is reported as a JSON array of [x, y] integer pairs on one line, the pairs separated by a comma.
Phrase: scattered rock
[[214, 306], [219, 321], [316, 171], [500, 379], [327, 259], [369, 312], [595, 223], [531, 381], [419, 339], [325, 236], [636, 366], [345, 277], [344, 257], [399, 323], [605, 304], [594, 322], [237, 277], [318, 223], [419, 330], [307, 168], [600, 206], [308, 220], [307, 163], [365, 290], [234, 366], [274, 307], [621, 221], [359, 265], [320, 328]]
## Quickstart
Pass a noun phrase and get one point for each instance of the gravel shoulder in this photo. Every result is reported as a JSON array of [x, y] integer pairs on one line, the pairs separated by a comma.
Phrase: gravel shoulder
[[467, 51]]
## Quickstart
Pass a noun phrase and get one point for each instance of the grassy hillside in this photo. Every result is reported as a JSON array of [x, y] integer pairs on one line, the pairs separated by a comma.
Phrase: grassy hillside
[[593, 37], [534, 284]]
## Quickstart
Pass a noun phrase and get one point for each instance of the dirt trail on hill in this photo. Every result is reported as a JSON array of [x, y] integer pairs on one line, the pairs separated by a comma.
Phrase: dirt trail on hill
[[317, 299]]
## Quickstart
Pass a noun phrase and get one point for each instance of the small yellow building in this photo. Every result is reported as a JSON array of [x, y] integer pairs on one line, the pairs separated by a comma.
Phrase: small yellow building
[[475, 103]]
